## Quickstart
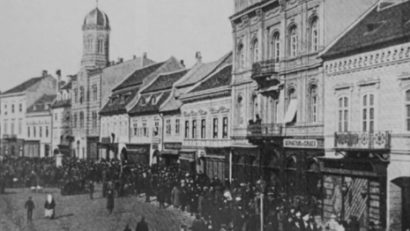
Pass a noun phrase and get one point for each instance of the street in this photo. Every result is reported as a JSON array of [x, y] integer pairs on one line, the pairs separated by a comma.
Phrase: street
[[78, 213]]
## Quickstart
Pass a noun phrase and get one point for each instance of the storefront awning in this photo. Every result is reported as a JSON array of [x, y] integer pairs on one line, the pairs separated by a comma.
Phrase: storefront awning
[[170, 152], [188, 155], [291, 112], [217, 152]]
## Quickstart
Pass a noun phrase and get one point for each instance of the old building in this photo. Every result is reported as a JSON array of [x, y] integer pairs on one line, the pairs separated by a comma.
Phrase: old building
[[171, 112], [96, 78], [367, 123], [14, 104], [39, 128], [146, 122], [61, 119], [277, 87], [115, 125], [206, 123]]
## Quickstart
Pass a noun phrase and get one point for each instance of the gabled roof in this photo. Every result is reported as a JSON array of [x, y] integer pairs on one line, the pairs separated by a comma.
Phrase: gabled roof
[[149, 103], [42, 104], [25, 85], [165, 81], [201, 70], [377, 29], [118, 101], [138, 76], [218, 79]]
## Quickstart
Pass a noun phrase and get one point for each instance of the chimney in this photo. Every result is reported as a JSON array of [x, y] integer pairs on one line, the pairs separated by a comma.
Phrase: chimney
[[143, 58], [144, 55], [182, 62], [198, 57], [44, 73], [134, 57], [58, 74]]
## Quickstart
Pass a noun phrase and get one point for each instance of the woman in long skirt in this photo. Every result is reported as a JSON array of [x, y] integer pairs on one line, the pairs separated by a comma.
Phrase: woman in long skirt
[[49, 207]]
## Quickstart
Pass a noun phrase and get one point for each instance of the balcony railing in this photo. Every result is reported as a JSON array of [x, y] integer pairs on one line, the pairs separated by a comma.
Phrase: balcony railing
[[362, 140], [260, 130], [264, 68]]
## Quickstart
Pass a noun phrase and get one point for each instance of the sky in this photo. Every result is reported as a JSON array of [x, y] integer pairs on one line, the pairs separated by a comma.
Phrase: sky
[[46, 34]]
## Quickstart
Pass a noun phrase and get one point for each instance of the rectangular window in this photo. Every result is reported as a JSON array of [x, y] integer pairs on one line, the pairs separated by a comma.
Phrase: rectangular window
[[225, 127], [20, 126], [46, 131], [20, 107], [12, 108], [135, 129], [368, 116], [203, 129], [28, 131], [408, 117], [5, 127], [40, 131], [34, 131], [343, 114], [194, 134], [177, 127], [94, 119], [156, 129], [186, 129], [168, 127], [12, 127], [144, 129], [55, 116], [215, 128]]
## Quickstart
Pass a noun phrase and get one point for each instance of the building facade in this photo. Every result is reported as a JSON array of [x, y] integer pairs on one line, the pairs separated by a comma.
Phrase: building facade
[[206, 124], [61, 119], [14, 104], [94, 82], [277, 87], [366, 169], [39, 128]]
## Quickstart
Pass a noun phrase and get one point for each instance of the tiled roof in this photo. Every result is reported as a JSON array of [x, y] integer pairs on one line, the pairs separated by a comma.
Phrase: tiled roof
[[378, 28], [61, 103], [138, 76], [42, 104], [165, 81], [118, 101], [24, 86], [220, 78], [149, 103]]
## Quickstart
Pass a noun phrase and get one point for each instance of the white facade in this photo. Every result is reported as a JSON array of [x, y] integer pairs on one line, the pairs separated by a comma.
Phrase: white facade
[[119, 126], [13, 115], [39, 128]]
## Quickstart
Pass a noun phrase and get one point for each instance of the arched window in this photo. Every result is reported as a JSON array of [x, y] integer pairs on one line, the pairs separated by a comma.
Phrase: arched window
[[81, 94], [343, 114], [95, 91], [81, 119], [89, 43], [275, 47], [313, 103], [241, 56], [255, 51], [408, 110], [74, 120], [314, 35], [368, 113], [100, 45], [293, 41]]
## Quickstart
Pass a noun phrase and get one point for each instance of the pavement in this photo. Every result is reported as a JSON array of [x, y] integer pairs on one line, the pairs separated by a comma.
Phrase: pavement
[[79, 212]]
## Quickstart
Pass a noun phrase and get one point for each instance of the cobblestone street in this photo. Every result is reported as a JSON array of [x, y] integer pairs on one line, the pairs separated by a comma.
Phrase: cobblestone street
[[80, 213]]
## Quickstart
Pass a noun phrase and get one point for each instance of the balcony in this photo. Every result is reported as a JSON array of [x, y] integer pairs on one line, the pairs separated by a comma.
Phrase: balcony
[[362, 141], [263, 130], [264, 69]]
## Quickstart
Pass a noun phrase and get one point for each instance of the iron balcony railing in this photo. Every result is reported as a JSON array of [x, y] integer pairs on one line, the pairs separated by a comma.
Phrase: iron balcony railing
[[257, 130], [264, 68], [379, 140]]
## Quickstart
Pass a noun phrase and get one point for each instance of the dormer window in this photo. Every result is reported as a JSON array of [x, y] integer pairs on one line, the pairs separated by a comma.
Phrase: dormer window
[[154, 100]]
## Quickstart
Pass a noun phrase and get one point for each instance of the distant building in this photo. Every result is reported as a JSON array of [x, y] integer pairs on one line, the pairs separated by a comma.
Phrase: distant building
[[14, 104], [61, 119], [367, 124], [39, 128], [95, 79]]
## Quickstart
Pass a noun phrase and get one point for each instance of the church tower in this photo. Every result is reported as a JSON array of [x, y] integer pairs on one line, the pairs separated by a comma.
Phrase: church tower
[[96, 40]]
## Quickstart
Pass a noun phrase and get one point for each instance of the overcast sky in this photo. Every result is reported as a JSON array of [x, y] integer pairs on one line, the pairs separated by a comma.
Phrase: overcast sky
[[41, 35]]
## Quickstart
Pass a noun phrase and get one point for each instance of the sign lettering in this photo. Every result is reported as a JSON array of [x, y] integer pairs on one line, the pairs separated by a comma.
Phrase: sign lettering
[[300, 143]]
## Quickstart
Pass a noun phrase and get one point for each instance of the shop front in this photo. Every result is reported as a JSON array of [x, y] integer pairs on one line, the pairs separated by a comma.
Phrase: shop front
[[245, 164], [170, 154], [354, 187], [106, 149], [92, 148], [138, 153], [216, 163], [32, 148], [187, 160]]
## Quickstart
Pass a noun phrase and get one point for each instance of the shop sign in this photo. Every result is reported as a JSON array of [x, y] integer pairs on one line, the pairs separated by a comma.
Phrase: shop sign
[[174, 146], [300, 143], [140, 149], [106, 140]]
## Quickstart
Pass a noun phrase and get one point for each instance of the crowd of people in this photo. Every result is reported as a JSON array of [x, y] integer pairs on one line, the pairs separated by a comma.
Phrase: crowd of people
[[216, 204]]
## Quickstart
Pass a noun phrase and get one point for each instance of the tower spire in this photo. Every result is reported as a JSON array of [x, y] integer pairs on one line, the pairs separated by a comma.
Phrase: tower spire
[[96, 2]]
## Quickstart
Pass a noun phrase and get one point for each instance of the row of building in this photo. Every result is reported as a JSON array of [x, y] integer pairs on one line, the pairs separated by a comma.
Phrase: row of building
[[314, 98]]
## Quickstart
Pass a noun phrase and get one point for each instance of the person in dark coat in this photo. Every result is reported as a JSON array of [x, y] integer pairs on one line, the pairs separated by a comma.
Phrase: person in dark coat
[[91, 189], [29, 205], [142, 225], [110, 200]]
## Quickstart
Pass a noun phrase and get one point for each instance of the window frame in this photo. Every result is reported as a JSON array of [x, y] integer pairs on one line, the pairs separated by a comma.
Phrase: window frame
[[368, 110], [215, 130], [186, 135], [407, 109], [293, 41], [203, 128], [343, 113], [314, 34], [225, 126], [275, 47]]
